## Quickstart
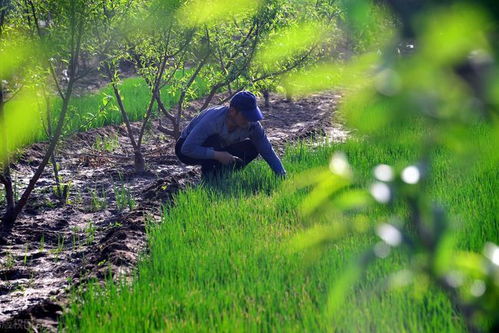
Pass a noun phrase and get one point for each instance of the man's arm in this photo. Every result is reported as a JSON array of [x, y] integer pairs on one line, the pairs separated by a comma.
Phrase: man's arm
[[264, 147], [193, 144]]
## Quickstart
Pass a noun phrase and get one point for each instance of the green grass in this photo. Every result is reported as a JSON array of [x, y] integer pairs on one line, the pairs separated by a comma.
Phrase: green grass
[[100, 109], [220, 259]]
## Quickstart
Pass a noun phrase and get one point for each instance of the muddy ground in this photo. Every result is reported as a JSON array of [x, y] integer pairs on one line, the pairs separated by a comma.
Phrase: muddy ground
[[101, 228]]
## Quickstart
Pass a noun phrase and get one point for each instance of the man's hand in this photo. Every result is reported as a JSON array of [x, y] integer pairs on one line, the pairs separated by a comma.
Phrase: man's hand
[[225, 157]]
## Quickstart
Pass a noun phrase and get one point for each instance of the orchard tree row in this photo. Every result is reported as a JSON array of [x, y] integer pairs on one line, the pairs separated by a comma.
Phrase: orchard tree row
[[233, 45]]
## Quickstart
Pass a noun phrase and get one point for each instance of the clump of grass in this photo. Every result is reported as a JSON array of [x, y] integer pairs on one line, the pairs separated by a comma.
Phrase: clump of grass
[[41, 245], [75, 237], [124, 198], [106, 143], [62, 191], [98, 200], [90, 230], [9, 262], [25, 257], [60, 247]]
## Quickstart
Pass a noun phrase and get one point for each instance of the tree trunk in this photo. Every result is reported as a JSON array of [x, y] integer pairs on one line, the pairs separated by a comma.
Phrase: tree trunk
[[5, 176], [176, 130], [9, 189], [53, 159], [6, 180], [210, 96], [138, 161], [266, 96]]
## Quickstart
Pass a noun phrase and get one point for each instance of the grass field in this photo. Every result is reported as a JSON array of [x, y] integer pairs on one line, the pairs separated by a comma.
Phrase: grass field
[[221, 261]]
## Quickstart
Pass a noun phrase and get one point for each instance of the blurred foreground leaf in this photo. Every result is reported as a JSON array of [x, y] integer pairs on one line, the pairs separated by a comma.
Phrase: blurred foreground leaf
[[199, 12], [354, 74], [290, 41], [21, 120]]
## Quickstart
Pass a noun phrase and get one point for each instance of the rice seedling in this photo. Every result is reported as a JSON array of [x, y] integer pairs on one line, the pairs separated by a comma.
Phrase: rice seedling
[[106, 143], [98, 200], [124, 198], [90, 230]]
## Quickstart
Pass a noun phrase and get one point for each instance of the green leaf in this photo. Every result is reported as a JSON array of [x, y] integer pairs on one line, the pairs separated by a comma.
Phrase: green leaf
[[450, 34], [21, 120], [352, 199], [210, 12], [290, 41], [322, 192]]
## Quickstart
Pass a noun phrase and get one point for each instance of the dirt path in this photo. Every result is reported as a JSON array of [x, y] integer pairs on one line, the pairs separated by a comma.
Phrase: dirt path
[[101, 230]]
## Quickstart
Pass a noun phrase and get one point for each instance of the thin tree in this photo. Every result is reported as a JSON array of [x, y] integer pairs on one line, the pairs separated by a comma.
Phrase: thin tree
[[72, 19], [151, 51]]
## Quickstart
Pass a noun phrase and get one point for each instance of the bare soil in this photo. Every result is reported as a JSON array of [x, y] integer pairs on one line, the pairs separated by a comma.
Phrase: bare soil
[[55, 246]]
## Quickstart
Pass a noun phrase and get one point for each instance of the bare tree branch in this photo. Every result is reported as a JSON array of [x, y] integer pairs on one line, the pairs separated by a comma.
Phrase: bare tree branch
[[165, 130]]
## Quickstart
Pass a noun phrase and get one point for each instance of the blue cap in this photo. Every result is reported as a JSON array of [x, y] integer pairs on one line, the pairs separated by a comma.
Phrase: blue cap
[[245, 102]]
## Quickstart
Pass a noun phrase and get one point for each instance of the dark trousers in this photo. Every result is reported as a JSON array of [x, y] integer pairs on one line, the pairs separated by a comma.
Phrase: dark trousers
[[245, 150]]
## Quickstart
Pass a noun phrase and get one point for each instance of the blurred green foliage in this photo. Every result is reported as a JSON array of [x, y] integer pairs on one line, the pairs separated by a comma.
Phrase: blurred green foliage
[[444, 79], [290, 41], [402, 65], [19, 93], [211, 12], [20, 120]]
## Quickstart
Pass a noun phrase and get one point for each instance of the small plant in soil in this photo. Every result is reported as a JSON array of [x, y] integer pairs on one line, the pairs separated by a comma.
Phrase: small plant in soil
[[20, 289], [25, 258], [61, 192], [98, 200], [49, 203], [114, 225], [75, 236], [42, 243], [31, 281], [90, 232], [78, 200], [124, 198], [106, 143], [9, 262], [60, 246]]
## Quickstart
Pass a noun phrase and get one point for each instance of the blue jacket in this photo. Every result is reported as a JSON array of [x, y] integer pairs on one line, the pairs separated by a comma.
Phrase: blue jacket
[[213, 121]]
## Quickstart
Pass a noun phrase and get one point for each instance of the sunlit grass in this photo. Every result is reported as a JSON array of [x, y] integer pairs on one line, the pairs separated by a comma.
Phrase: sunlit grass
[[220, 258]]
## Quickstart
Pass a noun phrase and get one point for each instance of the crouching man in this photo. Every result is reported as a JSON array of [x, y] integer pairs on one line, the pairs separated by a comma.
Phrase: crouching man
[[227, 138]]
